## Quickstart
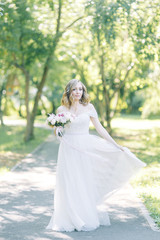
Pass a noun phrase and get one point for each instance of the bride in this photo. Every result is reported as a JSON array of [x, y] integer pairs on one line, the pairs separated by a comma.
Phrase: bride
[[89, 168]]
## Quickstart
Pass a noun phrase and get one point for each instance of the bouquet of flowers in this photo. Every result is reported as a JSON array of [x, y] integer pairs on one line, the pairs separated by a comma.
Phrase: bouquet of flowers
[[59, 121]]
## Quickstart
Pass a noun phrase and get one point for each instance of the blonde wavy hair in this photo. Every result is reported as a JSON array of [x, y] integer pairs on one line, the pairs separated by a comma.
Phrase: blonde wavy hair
[[67, 98]]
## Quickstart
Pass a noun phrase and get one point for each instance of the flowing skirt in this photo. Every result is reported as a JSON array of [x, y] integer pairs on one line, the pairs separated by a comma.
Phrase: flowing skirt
[[89, 170]]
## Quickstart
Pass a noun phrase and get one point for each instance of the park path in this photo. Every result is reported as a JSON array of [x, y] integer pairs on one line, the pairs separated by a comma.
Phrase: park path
[[27, 201]]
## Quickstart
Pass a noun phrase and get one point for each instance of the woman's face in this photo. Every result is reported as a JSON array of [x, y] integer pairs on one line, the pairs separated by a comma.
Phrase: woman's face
[[77, 92]]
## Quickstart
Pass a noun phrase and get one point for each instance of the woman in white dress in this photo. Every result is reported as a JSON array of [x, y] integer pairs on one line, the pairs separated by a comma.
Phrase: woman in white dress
[[89, 168]]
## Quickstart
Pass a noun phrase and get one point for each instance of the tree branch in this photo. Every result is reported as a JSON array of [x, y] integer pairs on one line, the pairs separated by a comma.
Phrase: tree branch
[[59, 16], [70, 25], [125, 78]]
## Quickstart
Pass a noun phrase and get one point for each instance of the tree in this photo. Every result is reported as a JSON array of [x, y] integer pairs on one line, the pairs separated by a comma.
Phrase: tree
[[114, 28], [31, 47], [2, 91]]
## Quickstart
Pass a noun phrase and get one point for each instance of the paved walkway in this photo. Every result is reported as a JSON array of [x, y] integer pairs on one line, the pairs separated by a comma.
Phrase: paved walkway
[[27, 200]]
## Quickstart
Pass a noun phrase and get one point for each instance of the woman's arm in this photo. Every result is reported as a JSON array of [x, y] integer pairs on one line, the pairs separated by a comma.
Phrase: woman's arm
[[101, 130]]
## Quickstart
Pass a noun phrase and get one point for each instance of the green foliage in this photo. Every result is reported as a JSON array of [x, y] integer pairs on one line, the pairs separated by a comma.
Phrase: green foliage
[[21, 36], [125, 33], [127, 37], [151, 106]]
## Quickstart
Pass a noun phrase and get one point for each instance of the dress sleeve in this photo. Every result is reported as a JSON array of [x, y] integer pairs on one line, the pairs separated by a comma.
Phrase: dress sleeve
[[92, 111], [59, 109]]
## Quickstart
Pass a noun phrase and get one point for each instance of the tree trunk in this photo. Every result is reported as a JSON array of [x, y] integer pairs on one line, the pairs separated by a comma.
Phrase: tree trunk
[[115, 105], [1, 118], [106, 95], [29, 134], [1, 112], [27, 79], [108, 118], [20, 110]]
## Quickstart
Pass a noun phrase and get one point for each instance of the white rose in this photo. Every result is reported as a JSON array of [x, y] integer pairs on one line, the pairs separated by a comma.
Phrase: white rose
[[53, 121], [68, 116], [57, 118], [63, 120], [50, 118]]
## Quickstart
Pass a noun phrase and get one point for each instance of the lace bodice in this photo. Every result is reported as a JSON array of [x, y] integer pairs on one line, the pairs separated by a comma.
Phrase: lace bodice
[[80, 125]]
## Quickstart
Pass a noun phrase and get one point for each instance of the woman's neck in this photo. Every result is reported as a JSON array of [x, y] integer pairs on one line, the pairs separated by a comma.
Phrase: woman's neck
[[75, 105]]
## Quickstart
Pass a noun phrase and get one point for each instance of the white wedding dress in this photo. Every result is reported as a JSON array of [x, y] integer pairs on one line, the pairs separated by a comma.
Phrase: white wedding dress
[[89, 170]]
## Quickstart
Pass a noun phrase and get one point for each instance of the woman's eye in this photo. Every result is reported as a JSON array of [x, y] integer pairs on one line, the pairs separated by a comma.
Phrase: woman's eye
[[74, 89]]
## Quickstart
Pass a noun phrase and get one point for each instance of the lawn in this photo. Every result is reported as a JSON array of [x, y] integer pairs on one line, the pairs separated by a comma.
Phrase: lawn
[[12, 146], [142, 137]]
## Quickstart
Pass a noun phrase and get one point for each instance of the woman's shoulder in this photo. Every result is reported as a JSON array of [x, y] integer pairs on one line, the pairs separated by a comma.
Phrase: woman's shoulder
[[91, 106], [92, 110], [61, 109]]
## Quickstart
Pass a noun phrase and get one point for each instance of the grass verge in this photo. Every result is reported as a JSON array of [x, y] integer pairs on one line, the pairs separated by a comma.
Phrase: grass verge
[[12, 146], [142, 137]]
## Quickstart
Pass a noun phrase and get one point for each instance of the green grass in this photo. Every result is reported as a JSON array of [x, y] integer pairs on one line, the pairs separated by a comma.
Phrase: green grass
[[142, 137], [12, 146]]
